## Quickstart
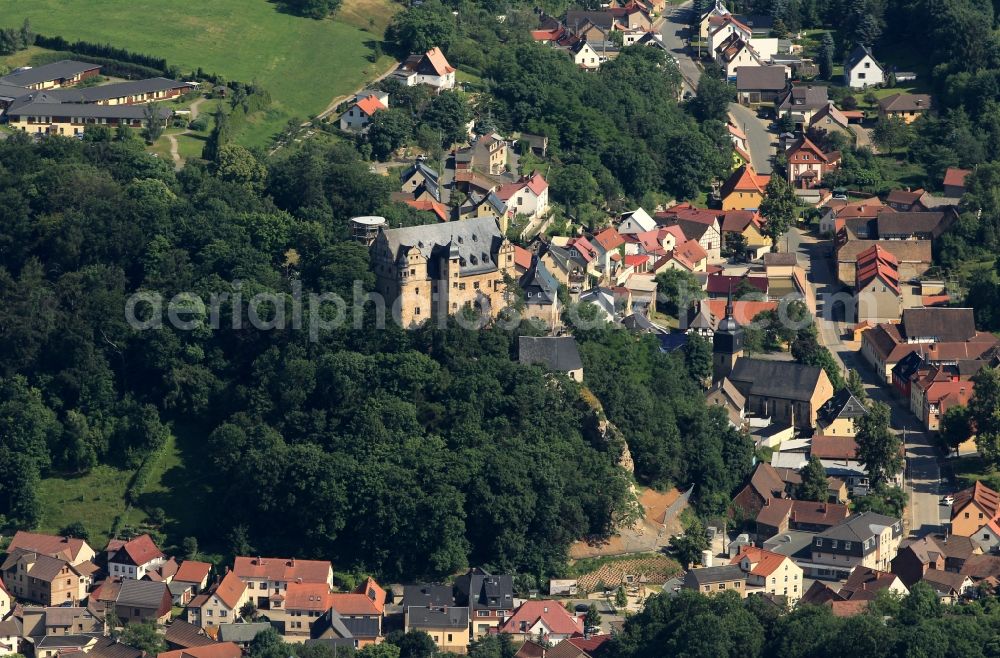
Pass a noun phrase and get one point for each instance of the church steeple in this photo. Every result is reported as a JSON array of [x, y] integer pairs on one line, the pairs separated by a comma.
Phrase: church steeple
[[727, 342]]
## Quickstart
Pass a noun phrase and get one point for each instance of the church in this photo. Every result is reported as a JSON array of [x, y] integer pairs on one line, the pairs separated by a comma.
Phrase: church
[[787, 392]]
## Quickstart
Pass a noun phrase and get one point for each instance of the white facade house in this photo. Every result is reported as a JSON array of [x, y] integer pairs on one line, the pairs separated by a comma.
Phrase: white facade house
[[729, 27], [135, 558], [766, 47], [987, 537], [861, 70], [637, 221], [528, 196], [585, 56], [430, 68], [357, 117]]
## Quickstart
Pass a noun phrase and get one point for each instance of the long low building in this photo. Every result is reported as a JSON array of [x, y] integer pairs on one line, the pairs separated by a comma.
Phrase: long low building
[[64, 73], [124, 93], [69, 119]]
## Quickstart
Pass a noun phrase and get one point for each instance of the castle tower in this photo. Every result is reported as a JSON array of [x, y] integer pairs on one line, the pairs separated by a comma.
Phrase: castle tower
[[727, 344]]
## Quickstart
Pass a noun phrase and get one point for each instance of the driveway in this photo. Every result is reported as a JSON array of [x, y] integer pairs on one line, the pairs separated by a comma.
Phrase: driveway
[[922, 476]]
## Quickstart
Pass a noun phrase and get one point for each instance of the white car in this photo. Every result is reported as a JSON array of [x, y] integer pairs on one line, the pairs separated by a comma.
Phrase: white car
[[948, 500]]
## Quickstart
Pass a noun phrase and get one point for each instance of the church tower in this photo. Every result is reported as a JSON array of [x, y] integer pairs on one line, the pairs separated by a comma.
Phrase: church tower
[[727, 344]]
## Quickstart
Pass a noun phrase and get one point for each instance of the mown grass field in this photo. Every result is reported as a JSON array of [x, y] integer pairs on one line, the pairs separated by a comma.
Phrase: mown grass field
[[304, 63]]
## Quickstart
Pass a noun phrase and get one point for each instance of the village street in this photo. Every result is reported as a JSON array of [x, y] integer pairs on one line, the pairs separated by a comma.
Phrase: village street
[[924, 513]]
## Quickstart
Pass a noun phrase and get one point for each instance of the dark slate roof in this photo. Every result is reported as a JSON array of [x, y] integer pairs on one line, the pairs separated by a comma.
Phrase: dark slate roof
[[905, 103], [109, 648], [62, 641], [479, 589], [333, 642], [805, 97], [424, 595], [49, 109], [857, 55], [557, 353], [770, 78], [426, 171], [65, 68], [908, 365], [601, 19], [946, 324], [361, 626], [697, 577], [858, 527], [777, 379], [8, 91], [910, 223], [241, 633], [476, 243], [116, 90], [331, 621], [451, 617], [141, 593], [842, 405], [540, 283], [672, 342], [184, 635]]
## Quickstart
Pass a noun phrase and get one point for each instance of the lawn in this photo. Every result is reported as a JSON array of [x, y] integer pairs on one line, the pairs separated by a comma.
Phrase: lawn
[[304, 63], [899, 174], [970, 468], [94, 499], [97, 498]]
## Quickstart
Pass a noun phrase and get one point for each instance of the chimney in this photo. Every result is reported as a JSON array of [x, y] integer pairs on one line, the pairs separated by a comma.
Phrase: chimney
[[920, 102]]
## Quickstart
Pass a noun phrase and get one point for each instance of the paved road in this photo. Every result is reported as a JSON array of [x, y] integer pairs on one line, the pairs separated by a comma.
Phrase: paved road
[[675, 30], [925, 513], [759, 138]]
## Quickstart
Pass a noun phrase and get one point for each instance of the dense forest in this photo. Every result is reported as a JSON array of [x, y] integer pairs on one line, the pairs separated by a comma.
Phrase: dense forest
[[400, 453]]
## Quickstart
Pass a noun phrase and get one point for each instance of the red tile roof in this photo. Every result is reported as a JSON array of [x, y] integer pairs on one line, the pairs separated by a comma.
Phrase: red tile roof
[[140, 550], [191, 571], [743, 311], [283, 569], [67, 548], [833, 447], [609, 239], [691, 213], [737, 221], [582, 245], [636, 260], [552, 614], [745, 179], [690, 254], [987, 500], [308, 596], [216, 650], [438, 61], [429, 205], [230, 589], [721, 284], [764, 562], [955, 176], [522, 257], [370, 105]]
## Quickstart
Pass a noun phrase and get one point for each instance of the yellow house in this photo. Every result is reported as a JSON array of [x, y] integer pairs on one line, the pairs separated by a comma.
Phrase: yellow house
[[908, 107], [749, 225], [744, 189], [973, 508], [713, 580], [448, 626], [47, 118], [64, 73], [437, 269], [837, 416]]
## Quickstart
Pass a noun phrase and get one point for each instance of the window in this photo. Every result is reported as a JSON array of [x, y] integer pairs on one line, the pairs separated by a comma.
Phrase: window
[[986, 535], [449, 638], [483, 613], [413, 272], [847, 545], [209, 612], [461, 286], [722, 586], [966, 515], [416, 311], [475, 284], [833, 543], [819, 543], [223, 613]]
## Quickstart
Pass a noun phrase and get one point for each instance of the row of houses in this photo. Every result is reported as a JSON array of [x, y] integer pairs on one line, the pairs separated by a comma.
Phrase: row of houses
[[592, 37], [134, 582]]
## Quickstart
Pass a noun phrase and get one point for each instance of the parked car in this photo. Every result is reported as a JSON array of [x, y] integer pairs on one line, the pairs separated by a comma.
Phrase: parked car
[[948, 500]]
